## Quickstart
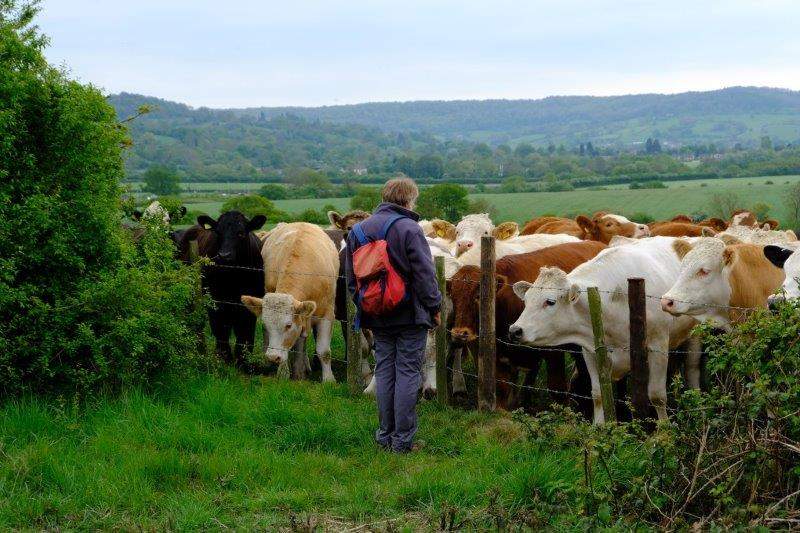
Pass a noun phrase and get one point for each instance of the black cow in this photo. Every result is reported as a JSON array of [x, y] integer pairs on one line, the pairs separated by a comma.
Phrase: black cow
[[236, 270]]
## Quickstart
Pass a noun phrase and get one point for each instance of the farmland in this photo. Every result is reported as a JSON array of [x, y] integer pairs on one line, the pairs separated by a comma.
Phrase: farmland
[[679, 197]]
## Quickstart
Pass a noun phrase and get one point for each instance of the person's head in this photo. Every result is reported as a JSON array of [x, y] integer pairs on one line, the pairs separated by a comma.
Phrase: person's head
[[401, 191]]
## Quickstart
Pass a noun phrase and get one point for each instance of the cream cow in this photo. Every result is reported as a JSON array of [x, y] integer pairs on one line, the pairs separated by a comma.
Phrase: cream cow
[[301, 265]]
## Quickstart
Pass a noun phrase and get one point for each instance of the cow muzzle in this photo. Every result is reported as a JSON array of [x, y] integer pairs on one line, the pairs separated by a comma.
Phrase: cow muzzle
[[642, 230], [463, 246], [515, 334], [669, 305], [276, 356], [463, 335]]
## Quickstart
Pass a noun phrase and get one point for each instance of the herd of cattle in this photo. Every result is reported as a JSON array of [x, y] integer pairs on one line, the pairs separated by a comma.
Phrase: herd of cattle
[[291, 278]]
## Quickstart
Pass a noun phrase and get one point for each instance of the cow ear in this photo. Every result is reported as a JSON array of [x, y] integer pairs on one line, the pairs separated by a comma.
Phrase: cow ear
[[256, 222], [681, 247], [447, 286], [520, 288], [585, 223], [444, 229], [255, 305], [777, 255], [717, 223], [505, 231], [335, 219], [770, 224], [573, 293], [205, 220], [728, 256], [707, 232], [681, 218], [305, 309], [729, 239], [501, 280], [136, 215]]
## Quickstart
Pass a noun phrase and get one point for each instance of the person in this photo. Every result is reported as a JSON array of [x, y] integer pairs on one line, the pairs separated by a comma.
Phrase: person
[[399, 334]]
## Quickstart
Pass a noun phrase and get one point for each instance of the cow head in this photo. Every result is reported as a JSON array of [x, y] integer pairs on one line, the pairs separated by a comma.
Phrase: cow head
[[789, 260], [285, 320], [702, 289], [555, 311], [743, 217], [603, 226], [348, 220], [232, 231], [717, 224], [464, 290]]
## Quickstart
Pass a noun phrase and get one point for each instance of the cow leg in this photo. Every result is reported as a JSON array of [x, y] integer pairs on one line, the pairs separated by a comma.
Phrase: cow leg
[[507, 391], [245, 331], [657, 362], [694, 362], [429, 367], [371, 387], [221, 329], [594, 377], [459, 384], [580, 386], [300, 364], [367, 342], [556, 376], [324, 329]]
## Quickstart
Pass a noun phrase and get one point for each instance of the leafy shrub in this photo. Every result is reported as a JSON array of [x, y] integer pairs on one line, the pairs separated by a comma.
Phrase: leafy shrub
[[366, 198], [80, 305], [273, 191], [173, 206], [446, 200], [252, 204], [642, 218], [558, 186], [647, 185], [769, 182], [481, 205]]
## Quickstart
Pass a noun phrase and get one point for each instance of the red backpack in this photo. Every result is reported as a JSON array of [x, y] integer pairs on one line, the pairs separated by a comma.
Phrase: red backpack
[[379, 288]]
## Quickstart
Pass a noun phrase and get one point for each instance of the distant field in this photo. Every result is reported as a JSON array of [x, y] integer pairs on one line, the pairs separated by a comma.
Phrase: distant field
[[680, 197]]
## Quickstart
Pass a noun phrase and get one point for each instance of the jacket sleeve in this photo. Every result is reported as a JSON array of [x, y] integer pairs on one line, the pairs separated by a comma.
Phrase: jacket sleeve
[[350, 278], [423, 273]]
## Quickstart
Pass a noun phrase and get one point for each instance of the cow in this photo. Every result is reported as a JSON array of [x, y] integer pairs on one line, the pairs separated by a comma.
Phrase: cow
[[156, 211], [464, 289], [556, 312], [469, 230], [533, 225], [601, 227], [715, 224], [235, 270], [348, 220], [516, 245], [785, 257], [743, 217], [719, 283], [301, 265], [753, 235], [681, 229]]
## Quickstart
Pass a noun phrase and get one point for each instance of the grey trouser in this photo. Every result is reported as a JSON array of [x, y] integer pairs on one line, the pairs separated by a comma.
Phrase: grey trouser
[[399, 354]]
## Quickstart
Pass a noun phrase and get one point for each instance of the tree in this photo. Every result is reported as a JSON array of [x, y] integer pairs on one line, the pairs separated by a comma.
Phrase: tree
[[252, 204], [445, 200], [366, 198], [723, 205], [514, 184], [429, 166], [161, 180], [792, 203], [81, 305], [766, 142], [273, 191]]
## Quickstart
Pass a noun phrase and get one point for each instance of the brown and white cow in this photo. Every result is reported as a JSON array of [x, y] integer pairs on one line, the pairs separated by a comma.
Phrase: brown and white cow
[[300, 270], [602, 227], [464, 291], [717, 283], [743, 217], [532, 226], [680, 229]]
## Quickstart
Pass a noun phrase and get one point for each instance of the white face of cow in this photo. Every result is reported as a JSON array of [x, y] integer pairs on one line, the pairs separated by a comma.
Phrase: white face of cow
[[156, 211], [739, 219], [284, 318], [787, 258], [702, 289], [639, 230], [470, 230], [555, 311]]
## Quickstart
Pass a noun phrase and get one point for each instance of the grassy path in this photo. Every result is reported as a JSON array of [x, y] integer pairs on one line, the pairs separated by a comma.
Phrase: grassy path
[[239, 452]]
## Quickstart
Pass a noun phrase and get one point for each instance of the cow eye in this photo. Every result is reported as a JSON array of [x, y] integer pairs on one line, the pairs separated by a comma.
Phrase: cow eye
[[549, 302], [288, 326]]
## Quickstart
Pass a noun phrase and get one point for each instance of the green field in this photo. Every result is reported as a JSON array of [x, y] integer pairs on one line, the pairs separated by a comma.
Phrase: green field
[[680, 197], [230, 451]]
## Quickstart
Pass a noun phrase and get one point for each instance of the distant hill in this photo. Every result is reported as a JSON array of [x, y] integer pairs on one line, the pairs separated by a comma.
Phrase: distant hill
[[728, 116], [241, 144]]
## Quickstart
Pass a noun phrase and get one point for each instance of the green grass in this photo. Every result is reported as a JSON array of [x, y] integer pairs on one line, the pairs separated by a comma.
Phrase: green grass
[[254, 453]]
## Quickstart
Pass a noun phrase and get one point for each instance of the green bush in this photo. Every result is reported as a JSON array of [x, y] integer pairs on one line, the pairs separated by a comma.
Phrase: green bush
[[252, 204], [273, 191], [446, 200], [366, 198], [647, 185], [80, 306], [642, 218]]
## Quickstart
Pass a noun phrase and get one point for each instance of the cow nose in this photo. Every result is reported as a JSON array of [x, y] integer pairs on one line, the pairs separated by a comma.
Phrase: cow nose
[[515, 333], [644, 229], [463, 246], [667, 304], [461, 334]]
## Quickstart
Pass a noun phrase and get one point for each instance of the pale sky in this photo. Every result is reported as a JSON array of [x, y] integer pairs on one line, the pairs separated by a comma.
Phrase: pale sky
[[246, 53]]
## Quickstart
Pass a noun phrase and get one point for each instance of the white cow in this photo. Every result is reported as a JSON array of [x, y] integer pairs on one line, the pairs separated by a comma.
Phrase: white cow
[[786, 257], [516, 245], [747, 234], [468, 232], [557, 312]]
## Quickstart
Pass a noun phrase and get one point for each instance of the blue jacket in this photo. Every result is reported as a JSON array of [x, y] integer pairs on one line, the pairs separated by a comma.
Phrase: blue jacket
[[411, 257]]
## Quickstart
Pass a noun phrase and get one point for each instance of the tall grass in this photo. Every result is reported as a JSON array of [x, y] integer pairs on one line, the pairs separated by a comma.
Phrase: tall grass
[[257, 452]]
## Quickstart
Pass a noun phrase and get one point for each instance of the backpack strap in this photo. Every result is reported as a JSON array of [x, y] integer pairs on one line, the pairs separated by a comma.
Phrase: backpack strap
[[360, 235], [388, 224]]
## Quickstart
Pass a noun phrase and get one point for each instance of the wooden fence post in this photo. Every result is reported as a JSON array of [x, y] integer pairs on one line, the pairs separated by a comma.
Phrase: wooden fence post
[[442, 394], [354, 381], [194, 256], [638, 347], [487, 387], [601, 354]]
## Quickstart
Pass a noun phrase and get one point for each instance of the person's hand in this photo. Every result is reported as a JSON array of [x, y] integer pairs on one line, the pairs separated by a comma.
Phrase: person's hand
[[437, 319]]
